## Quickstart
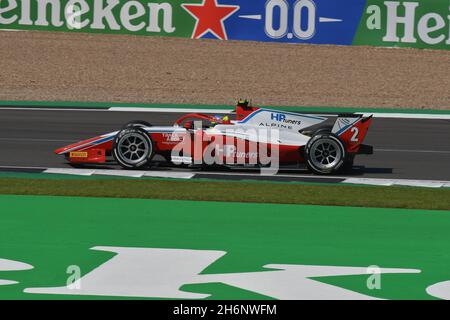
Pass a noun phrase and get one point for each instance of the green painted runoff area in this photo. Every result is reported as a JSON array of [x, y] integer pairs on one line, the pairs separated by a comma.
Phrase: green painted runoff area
[[50, 233]]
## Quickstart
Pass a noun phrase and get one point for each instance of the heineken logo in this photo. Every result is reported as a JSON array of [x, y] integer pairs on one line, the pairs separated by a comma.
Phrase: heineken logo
[[274, 19], [84, 14], [407, 22], [116, 15], [160, 273]]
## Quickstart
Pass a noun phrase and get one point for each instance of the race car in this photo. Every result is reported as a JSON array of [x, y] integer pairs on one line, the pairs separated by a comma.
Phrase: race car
[[257, 137]]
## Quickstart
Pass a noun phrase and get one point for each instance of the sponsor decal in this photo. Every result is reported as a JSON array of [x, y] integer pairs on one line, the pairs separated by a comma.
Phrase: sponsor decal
[[281, 117], [281, 121], [145, 272], [209, 17], [422, 24], [172, 137], [231, 151], [78, 154], [107, 15], [275, 125]]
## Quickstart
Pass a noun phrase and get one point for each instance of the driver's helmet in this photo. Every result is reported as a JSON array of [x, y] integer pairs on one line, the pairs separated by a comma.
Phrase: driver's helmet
[[220, 119], [243, 103], [226, 120]]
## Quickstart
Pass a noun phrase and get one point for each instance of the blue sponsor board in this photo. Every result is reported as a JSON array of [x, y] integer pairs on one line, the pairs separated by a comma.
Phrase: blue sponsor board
[[293, 21]]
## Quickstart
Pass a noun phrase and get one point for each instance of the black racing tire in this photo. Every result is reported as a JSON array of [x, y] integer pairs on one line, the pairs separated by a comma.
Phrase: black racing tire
[[133, 148], [136, 123], [325, 153]]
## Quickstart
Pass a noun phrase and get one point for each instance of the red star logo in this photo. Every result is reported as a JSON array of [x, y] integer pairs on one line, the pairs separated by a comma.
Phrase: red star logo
[[210, 17]]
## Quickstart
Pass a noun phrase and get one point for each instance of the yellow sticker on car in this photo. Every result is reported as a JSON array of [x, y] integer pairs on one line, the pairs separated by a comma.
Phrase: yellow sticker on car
[[78, 154]]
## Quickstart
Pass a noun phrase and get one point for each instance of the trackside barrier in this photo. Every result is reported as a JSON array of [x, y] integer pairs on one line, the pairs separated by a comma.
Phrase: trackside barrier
[[418, 23]]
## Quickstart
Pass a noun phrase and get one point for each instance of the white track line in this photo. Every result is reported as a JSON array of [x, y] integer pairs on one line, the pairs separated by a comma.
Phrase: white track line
[[412, 151], [78, 172], [11, 30], [177, 175], [121, 173], [191, 174], [170, 110], [406, 115], [385, 115], [398, 182], [52, 109], [374, 114], [34, 140], [280, 175], [369, 181]]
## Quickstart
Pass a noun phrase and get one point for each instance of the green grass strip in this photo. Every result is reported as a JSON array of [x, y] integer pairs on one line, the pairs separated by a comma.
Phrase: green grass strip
[[106, 105], [358, 196]]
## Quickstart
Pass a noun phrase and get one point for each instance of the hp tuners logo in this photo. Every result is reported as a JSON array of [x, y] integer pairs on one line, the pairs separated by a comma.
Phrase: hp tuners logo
[[278, 117], [304, 19]]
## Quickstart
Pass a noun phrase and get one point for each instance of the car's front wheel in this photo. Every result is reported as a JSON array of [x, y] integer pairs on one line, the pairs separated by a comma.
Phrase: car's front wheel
[[325, 153], [133, 148]]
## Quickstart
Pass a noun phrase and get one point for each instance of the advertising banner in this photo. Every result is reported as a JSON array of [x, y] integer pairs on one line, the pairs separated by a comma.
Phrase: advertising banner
[[420, 23]]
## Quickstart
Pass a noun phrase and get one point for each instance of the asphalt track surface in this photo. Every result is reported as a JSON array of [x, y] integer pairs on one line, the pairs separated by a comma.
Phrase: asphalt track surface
[[404, 148]]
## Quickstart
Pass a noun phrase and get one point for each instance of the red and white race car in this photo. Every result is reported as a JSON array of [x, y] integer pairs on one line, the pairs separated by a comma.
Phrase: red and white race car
[[256, 136]]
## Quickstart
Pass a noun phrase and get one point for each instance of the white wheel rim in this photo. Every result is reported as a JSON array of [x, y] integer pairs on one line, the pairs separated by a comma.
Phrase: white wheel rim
[[325, 154], [133, 148]]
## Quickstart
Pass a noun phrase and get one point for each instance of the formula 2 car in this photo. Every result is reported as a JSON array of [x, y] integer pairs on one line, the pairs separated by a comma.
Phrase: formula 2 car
[[256, 136]]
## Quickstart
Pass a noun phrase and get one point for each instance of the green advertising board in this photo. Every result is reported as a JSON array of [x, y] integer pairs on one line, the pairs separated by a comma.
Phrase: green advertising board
[[418, 24]]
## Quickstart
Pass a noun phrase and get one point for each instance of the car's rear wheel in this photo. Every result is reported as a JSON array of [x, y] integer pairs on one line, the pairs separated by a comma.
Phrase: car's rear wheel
[[133, 148], [325, 153]]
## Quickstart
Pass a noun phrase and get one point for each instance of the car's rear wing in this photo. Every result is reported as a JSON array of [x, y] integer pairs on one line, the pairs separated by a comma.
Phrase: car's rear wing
[[352, 129]]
